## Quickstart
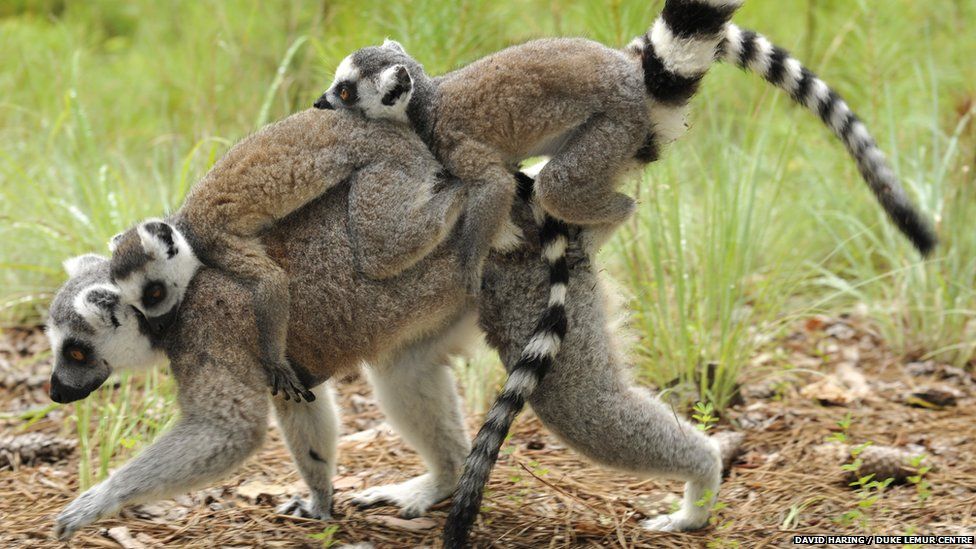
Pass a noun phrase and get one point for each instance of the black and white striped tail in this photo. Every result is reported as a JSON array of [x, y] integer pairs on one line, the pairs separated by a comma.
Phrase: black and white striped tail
[[675, 54], [754, 53], [536, 359]]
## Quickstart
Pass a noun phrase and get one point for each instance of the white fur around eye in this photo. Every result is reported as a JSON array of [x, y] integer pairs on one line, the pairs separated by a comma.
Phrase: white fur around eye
[[126, 348], [346, 70]]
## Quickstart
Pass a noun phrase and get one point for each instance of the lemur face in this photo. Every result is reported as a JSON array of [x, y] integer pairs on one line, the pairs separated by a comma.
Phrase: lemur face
[[152, 265], [92, 333], [375, 81]]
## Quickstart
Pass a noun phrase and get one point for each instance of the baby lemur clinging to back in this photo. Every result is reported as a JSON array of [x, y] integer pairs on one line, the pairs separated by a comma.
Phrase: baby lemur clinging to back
[[224, 215], [593, 109]]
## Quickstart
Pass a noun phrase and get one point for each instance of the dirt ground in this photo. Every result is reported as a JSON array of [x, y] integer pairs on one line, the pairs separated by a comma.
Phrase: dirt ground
[[785, 481]]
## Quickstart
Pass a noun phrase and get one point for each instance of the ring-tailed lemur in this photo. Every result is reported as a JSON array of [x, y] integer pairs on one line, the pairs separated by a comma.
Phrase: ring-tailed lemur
[[595, 110], [404, 326], [222, 217], [749, 51]]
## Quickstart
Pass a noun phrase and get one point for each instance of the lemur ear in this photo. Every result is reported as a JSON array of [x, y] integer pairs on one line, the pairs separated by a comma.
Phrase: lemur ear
[[97, 305], [113, 242], [157, 239], [395, 84], [393, 45], [76, 265]]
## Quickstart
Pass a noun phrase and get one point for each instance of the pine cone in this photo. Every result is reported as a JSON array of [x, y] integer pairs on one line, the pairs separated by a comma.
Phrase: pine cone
[[886, 462], [32, 448]]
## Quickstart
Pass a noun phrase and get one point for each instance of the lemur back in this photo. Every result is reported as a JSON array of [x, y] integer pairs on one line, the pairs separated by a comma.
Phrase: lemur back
[[262, 180], [582, 103]]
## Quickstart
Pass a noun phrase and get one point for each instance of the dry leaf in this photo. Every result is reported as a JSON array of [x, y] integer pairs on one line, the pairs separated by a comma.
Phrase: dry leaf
[[844, 386], [414, 525], [122, 536], [256, 490], [350, 482]]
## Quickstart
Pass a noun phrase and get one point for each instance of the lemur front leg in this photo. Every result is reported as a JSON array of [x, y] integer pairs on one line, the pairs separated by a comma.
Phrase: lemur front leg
[[491, 192], [201, 447], [245, 258], [310, 432], [398, 217]]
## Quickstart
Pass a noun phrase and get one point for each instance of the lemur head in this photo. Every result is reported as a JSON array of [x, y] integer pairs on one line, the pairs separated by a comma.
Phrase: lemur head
[[377, 81], [92, 332], [152, 264]]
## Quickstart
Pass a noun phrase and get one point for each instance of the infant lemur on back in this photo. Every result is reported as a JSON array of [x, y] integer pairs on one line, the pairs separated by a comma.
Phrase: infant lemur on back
[[222, 218]]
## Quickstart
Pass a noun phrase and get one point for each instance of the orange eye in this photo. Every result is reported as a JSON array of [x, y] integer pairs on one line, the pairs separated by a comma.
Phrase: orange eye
[[344, 94], [77, 355], [156, 293]]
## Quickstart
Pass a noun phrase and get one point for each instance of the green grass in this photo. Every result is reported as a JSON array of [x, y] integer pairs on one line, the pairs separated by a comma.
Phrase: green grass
[[110, 110]]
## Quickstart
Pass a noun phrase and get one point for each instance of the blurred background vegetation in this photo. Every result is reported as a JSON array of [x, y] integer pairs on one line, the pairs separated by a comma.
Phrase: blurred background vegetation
[[110, 110]]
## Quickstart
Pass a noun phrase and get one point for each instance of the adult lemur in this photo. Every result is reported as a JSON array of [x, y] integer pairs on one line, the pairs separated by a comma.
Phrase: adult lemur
[[594, 110], [404, 325], [220, 222]]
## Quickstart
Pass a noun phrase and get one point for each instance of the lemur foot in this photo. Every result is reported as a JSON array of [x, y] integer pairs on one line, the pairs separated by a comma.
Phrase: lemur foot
[[87, 508], [298, 507], [282, 378], [676, 522], [414, 497]]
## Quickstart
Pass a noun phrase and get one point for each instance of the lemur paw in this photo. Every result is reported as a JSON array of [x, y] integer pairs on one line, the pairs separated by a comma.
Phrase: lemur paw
[[282, 378], [676, 522], [298, 507], [414, 497], [84, 510]]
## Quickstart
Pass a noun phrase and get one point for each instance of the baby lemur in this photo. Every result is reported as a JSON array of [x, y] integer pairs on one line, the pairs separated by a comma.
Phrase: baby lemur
[[224, 215], [593, 109]]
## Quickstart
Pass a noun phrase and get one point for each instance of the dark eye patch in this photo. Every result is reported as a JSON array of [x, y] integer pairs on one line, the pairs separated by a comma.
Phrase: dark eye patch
[[347, 91], [76, 352], [153, 293]]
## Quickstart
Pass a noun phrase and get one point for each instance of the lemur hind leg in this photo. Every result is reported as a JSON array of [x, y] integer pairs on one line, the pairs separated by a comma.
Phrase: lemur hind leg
[[491, 192], [310, 431], [416, 390], [579, 184], [246, 259], [587, 398]]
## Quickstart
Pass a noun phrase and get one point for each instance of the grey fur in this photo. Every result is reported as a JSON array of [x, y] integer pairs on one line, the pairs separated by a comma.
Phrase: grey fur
[[405, 328], [267, 177], [582, 103], [404, 324], [341, 317]]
